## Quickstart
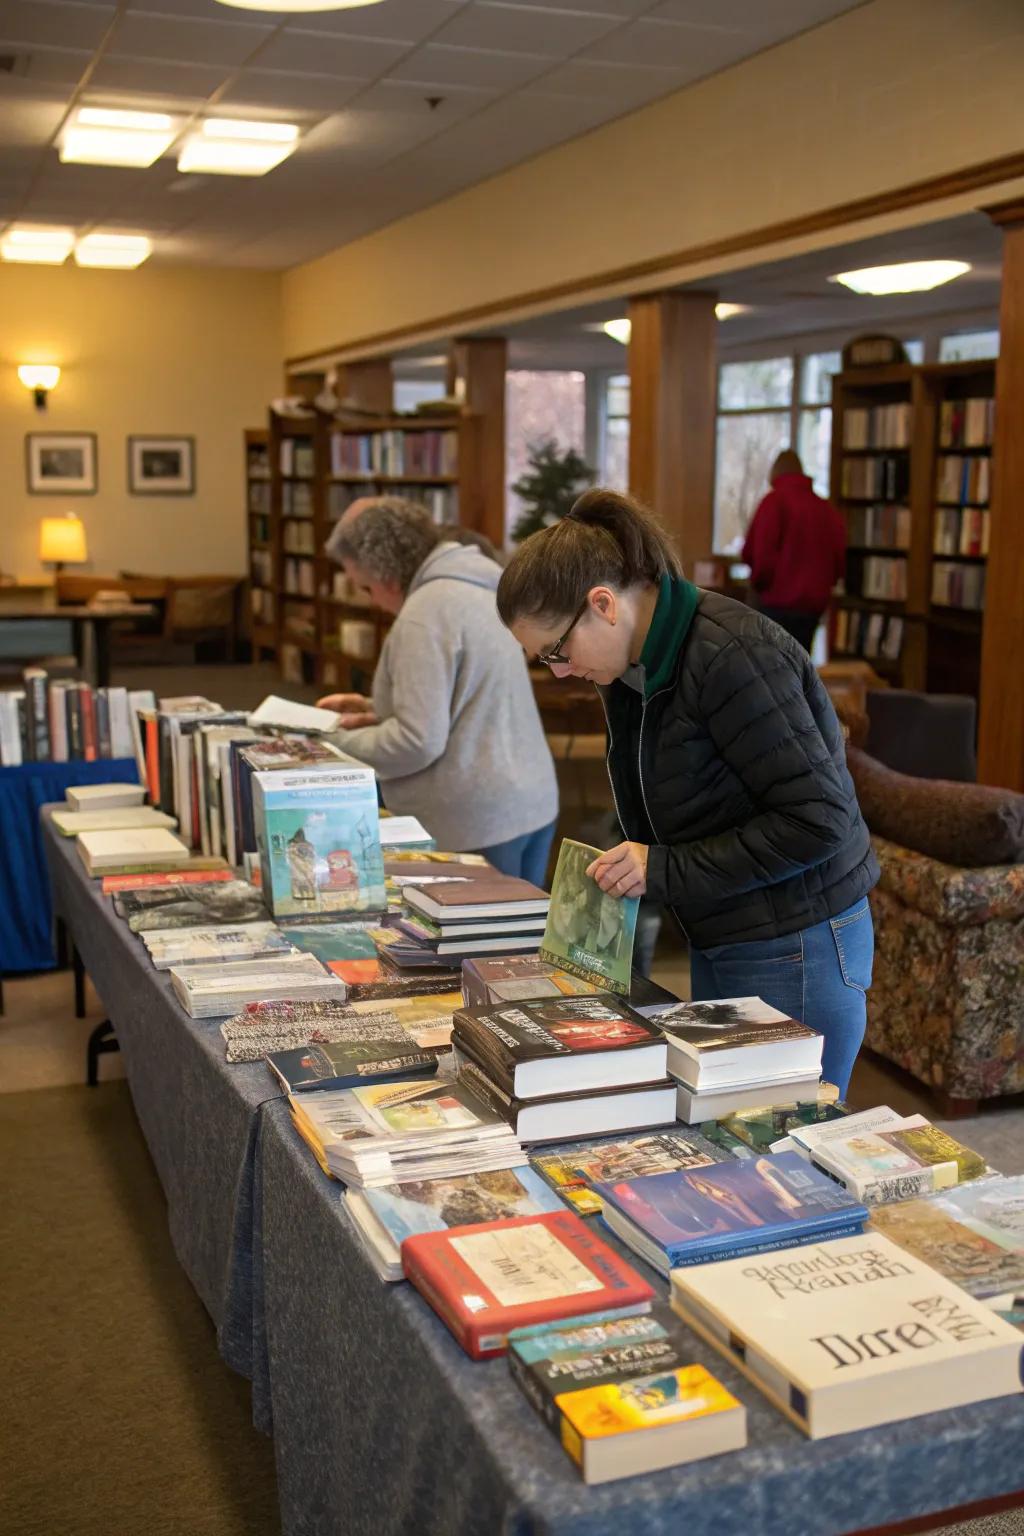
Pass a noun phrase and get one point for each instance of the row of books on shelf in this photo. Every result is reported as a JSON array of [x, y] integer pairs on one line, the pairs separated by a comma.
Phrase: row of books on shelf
[[297, 457], [257, 461], [885, 577], [395, 453], [958, 586], [961, 531], [297, 536], [299, 577], [878, 426], [261, 567], [961, 478], [859, 632], [299, 619], [60, 720], [885, 526], [886, 477], [263, 605], [967, 423], [259, 497]]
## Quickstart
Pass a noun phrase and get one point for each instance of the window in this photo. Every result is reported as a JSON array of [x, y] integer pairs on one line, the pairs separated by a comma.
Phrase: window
[[614, 455], [814, 426], [965, 346], [754, 424], [408, 393], [539, 405]]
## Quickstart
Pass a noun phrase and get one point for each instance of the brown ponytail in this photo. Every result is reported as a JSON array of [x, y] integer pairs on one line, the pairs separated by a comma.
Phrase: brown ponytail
[[606, 540]]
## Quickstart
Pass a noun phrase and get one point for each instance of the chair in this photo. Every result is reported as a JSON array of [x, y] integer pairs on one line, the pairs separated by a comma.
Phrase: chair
[[929, 735]]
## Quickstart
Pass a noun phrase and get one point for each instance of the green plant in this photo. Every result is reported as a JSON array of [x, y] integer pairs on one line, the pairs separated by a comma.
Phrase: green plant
[[549, 487]]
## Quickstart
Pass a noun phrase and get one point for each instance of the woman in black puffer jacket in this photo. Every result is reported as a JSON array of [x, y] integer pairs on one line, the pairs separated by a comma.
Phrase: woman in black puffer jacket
[[726, 762]]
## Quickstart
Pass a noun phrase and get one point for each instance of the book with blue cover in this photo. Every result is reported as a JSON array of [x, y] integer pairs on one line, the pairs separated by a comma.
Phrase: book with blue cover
[[318, 834], [694, 1215]]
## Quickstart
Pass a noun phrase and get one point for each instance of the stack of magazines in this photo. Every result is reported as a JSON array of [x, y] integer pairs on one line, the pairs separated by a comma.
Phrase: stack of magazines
[[214, 991]]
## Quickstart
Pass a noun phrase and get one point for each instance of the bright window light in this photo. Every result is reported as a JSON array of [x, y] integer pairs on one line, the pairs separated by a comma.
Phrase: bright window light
[[223, 147], [46, 247], [105, 136], [902, 277], [102, 250]]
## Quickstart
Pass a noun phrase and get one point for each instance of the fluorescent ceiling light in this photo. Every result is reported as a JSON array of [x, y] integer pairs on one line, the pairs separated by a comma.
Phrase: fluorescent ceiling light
[[223, 147], [102, 250], [47, 247], [902, 277], [298, 5], [105, 136]]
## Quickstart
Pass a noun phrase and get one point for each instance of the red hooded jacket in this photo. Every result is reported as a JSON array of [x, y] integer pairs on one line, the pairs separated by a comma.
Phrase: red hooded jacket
[[795, 547]]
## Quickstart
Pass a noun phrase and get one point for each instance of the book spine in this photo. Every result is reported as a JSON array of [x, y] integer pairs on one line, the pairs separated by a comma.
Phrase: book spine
[[896, 1186], [494, 1097], [526, 1380], [89, 741], [23, 730], [103, 734], [685, 1258], [38, 703], [433, 1297], [74, 714]]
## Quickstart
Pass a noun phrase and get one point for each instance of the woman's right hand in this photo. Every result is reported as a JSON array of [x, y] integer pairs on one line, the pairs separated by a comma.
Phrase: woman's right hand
[[353, 709]]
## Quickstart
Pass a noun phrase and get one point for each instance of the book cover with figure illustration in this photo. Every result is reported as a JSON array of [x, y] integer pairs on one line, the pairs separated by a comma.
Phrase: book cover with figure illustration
[[318, 834], [589, 931]]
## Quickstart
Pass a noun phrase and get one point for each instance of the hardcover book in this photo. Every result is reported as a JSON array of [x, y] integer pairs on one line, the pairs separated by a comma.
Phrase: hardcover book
[[848, 1334], [929, 1145], [73, 823], [491, 896], [874, 1169], [348, 1063], [622, 1403], [589, 931], [573, 1171], [694, 1215], [733, 1040], [128, 847], [95, 797], [157, 879], [318, 835], [934, 1232], [765, 1129], [485, 1280], [541, 1048], [587, 1112]]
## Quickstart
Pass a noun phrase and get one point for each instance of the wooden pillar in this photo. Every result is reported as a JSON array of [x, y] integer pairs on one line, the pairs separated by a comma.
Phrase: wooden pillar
[[367, 385], [672, 382], [476, 376], [1001, 731]]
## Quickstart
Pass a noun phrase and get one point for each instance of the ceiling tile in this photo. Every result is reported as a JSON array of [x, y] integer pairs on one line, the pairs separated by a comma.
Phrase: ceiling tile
[[693, 50], [59, 66], [617, 8], [156, 77], [319, 53], [204, 10], [146, 36], [620, 85], [32, 113], [404, 21], [524, 29], [267, 89], [436, 65], [753, 16], [62, 26]]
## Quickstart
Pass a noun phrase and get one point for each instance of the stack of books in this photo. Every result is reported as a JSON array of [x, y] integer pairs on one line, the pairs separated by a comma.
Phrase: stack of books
[[581, 1066], [484, 1281], [169, 947], [496, 914], [390, 1133], [518, 978], [738, 1053], [71, 823], [115, 851], [623, 1396], [880, 1156], [697, 1215], [59, 720], [215, 991]]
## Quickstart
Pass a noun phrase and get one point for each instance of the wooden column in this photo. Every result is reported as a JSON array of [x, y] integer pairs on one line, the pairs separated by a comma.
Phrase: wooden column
[[476, 375], [672, 381], [1001, 733], [367, 385]]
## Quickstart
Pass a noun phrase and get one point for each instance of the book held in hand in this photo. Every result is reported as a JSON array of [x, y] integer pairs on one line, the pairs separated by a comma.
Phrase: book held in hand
[[589, 932], [624, 1397], [847, 1334], [485, 1280]]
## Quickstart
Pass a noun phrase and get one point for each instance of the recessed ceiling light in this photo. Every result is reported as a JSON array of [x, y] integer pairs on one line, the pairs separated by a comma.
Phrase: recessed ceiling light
[[298, 5], [44, 247], [902, 277], [105, 136], [620, 330], [232, 147], [103, 250], [727, 311]]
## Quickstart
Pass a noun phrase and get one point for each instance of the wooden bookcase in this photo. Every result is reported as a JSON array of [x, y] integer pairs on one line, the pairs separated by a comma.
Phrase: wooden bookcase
[[261, 530], [898, 469]]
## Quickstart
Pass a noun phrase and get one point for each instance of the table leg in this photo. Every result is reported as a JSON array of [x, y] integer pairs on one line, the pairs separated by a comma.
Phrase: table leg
[[79, 970], [101, 1041]]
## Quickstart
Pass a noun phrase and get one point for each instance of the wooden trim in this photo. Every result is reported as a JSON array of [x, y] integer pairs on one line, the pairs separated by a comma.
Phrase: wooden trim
[[1008, 213], [932, 189], [925, 1524]]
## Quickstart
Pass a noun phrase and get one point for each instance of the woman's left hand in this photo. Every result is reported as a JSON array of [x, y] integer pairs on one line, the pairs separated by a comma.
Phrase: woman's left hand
[[622, 871]]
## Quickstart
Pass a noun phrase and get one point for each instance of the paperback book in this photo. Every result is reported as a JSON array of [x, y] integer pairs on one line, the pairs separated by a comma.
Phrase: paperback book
[[426, 1020], [208, 992], [485, 1280], [735, 1040], [95, 797], [695, 1108], [519, 978], [157, 879], [317, 830], [347, 1064], [767, 1130], [215, 903], [574, 1171], [130, 847], [624, 1397], [937, 1233], [873, 1155], [214, 946], [262, 1027], [589, 932], [72, 823], [851, 1333]]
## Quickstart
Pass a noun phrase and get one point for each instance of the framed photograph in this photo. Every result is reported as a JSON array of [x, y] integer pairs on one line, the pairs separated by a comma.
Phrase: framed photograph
[[61, 463], [161, 466]]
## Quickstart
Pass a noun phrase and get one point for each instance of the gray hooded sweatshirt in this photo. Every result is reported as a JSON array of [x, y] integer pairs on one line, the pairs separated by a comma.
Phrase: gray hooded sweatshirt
[[460, 743]]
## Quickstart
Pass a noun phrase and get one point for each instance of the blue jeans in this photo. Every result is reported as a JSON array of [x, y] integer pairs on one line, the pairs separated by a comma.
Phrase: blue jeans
[[525, 856], [819, 975]]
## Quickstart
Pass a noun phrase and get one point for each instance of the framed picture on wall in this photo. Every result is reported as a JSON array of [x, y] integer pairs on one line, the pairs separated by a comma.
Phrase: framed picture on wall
[[161, 466], [61, 463]]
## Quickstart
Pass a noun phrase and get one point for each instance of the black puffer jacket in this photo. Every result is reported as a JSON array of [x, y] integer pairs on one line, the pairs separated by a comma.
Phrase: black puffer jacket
[[736, 776]]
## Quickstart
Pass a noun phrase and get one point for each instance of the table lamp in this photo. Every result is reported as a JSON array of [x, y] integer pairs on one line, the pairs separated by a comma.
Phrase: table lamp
[[62, 541]]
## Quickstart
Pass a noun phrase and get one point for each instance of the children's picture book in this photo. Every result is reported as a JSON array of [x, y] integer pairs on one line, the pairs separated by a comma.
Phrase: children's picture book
[[574, 1170], [589, 932], [317, 830]]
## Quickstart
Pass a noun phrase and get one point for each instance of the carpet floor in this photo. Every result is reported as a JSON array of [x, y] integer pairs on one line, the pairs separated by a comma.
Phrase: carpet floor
[[119, 1417]]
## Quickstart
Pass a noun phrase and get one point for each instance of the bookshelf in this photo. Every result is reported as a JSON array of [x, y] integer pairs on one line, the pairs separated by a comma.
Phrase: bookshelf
[[261, 529], [911, 462]]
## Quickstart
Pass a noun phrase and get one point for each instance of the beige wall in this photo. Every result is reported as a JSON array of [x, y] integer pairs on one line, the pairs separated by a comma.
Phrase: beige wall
[[162, 351], [889, 94]]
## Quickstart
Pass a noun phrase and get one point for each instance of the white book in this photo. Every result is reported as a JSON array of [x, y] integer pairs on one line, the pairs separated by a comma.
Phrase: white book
[[125, 846], [121, 742], [852, 1333], [693, 1108], [57, 710], [10, 735], [122, 817], [286, 715], [104, 797], [402, 829], [728, 1041], [139, 699], [809, 1138], [209, 992]]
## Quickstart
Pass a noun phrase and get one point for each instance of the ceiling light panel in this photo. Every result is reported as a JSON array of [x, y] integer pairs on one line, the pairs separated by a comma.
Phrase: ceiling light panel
[[42, 247], [109, 250], [105, 136], [902, 277], [223, 147]]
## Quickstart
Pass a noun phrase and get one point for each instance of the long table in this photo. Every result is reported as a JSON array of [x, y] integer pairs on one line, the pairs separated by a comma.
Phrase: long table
[[381, 1424]]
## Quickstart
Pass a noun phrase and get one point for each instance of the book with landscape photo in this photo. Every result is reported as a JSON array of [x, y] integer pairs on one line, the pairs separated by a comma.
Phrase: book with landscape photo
[[938, 1233], [851, 1333], [485, 1280], [589, 932], [317, 830], [193, 905], [574, 1170]]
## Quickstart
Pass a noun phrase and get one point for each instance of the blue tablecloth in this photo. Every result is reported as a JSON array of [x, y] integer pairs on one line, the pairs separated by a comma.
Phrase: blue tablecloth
[[26, 918], [381, 1424]]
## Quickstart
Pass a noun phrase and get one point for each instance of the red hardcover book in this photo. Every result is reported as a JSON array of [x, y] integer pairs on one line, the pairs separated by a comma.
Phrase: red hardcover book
[[485, 1280], [158, 877], [90, 743]]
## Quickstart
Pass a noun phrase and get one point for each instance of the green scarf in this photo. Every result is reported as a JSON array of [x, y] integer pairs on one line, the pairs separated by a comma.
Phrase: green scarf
[[673, 615]]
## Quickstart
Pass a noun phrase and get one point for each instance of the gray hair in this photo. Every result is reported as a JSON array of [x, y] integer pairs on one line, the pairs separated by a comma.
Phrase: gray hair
[[389, 539]]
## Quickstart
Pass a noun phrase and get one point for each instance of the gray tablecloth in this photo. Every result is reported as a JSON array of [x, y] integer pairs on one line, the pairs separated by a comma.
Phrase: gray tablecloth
[[381, 1424]]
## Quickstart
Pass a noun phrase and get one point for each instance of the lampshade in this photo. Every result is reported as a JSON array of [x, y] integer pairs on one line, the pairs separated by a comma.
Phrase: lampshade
[[62, 539]]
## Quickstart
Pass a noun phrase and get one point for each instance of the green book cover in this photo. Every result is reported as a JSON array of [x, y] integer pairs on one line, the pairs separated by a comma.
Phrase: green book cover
[[589, 932]]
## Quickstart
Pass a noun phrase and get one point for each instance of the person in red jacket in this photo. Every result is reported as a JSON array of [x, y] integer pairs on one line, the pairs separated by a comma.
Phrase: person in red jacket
[[796, 550]]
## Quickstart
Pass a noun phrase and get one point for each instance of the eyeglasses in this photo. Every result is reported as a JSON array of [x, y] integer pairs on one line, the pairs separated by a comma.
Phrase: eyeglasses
[[554, 657]]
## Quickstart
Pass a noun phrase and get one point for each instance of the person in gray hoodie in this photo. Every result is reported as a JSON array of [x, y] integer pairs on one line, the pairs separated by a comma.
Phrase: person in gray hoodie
[[452, 728]]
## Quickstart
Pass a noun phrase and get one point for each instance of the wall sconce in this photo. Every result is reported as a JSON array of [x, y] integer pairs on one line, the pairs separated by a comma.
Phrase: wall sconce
[[40, 378]]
